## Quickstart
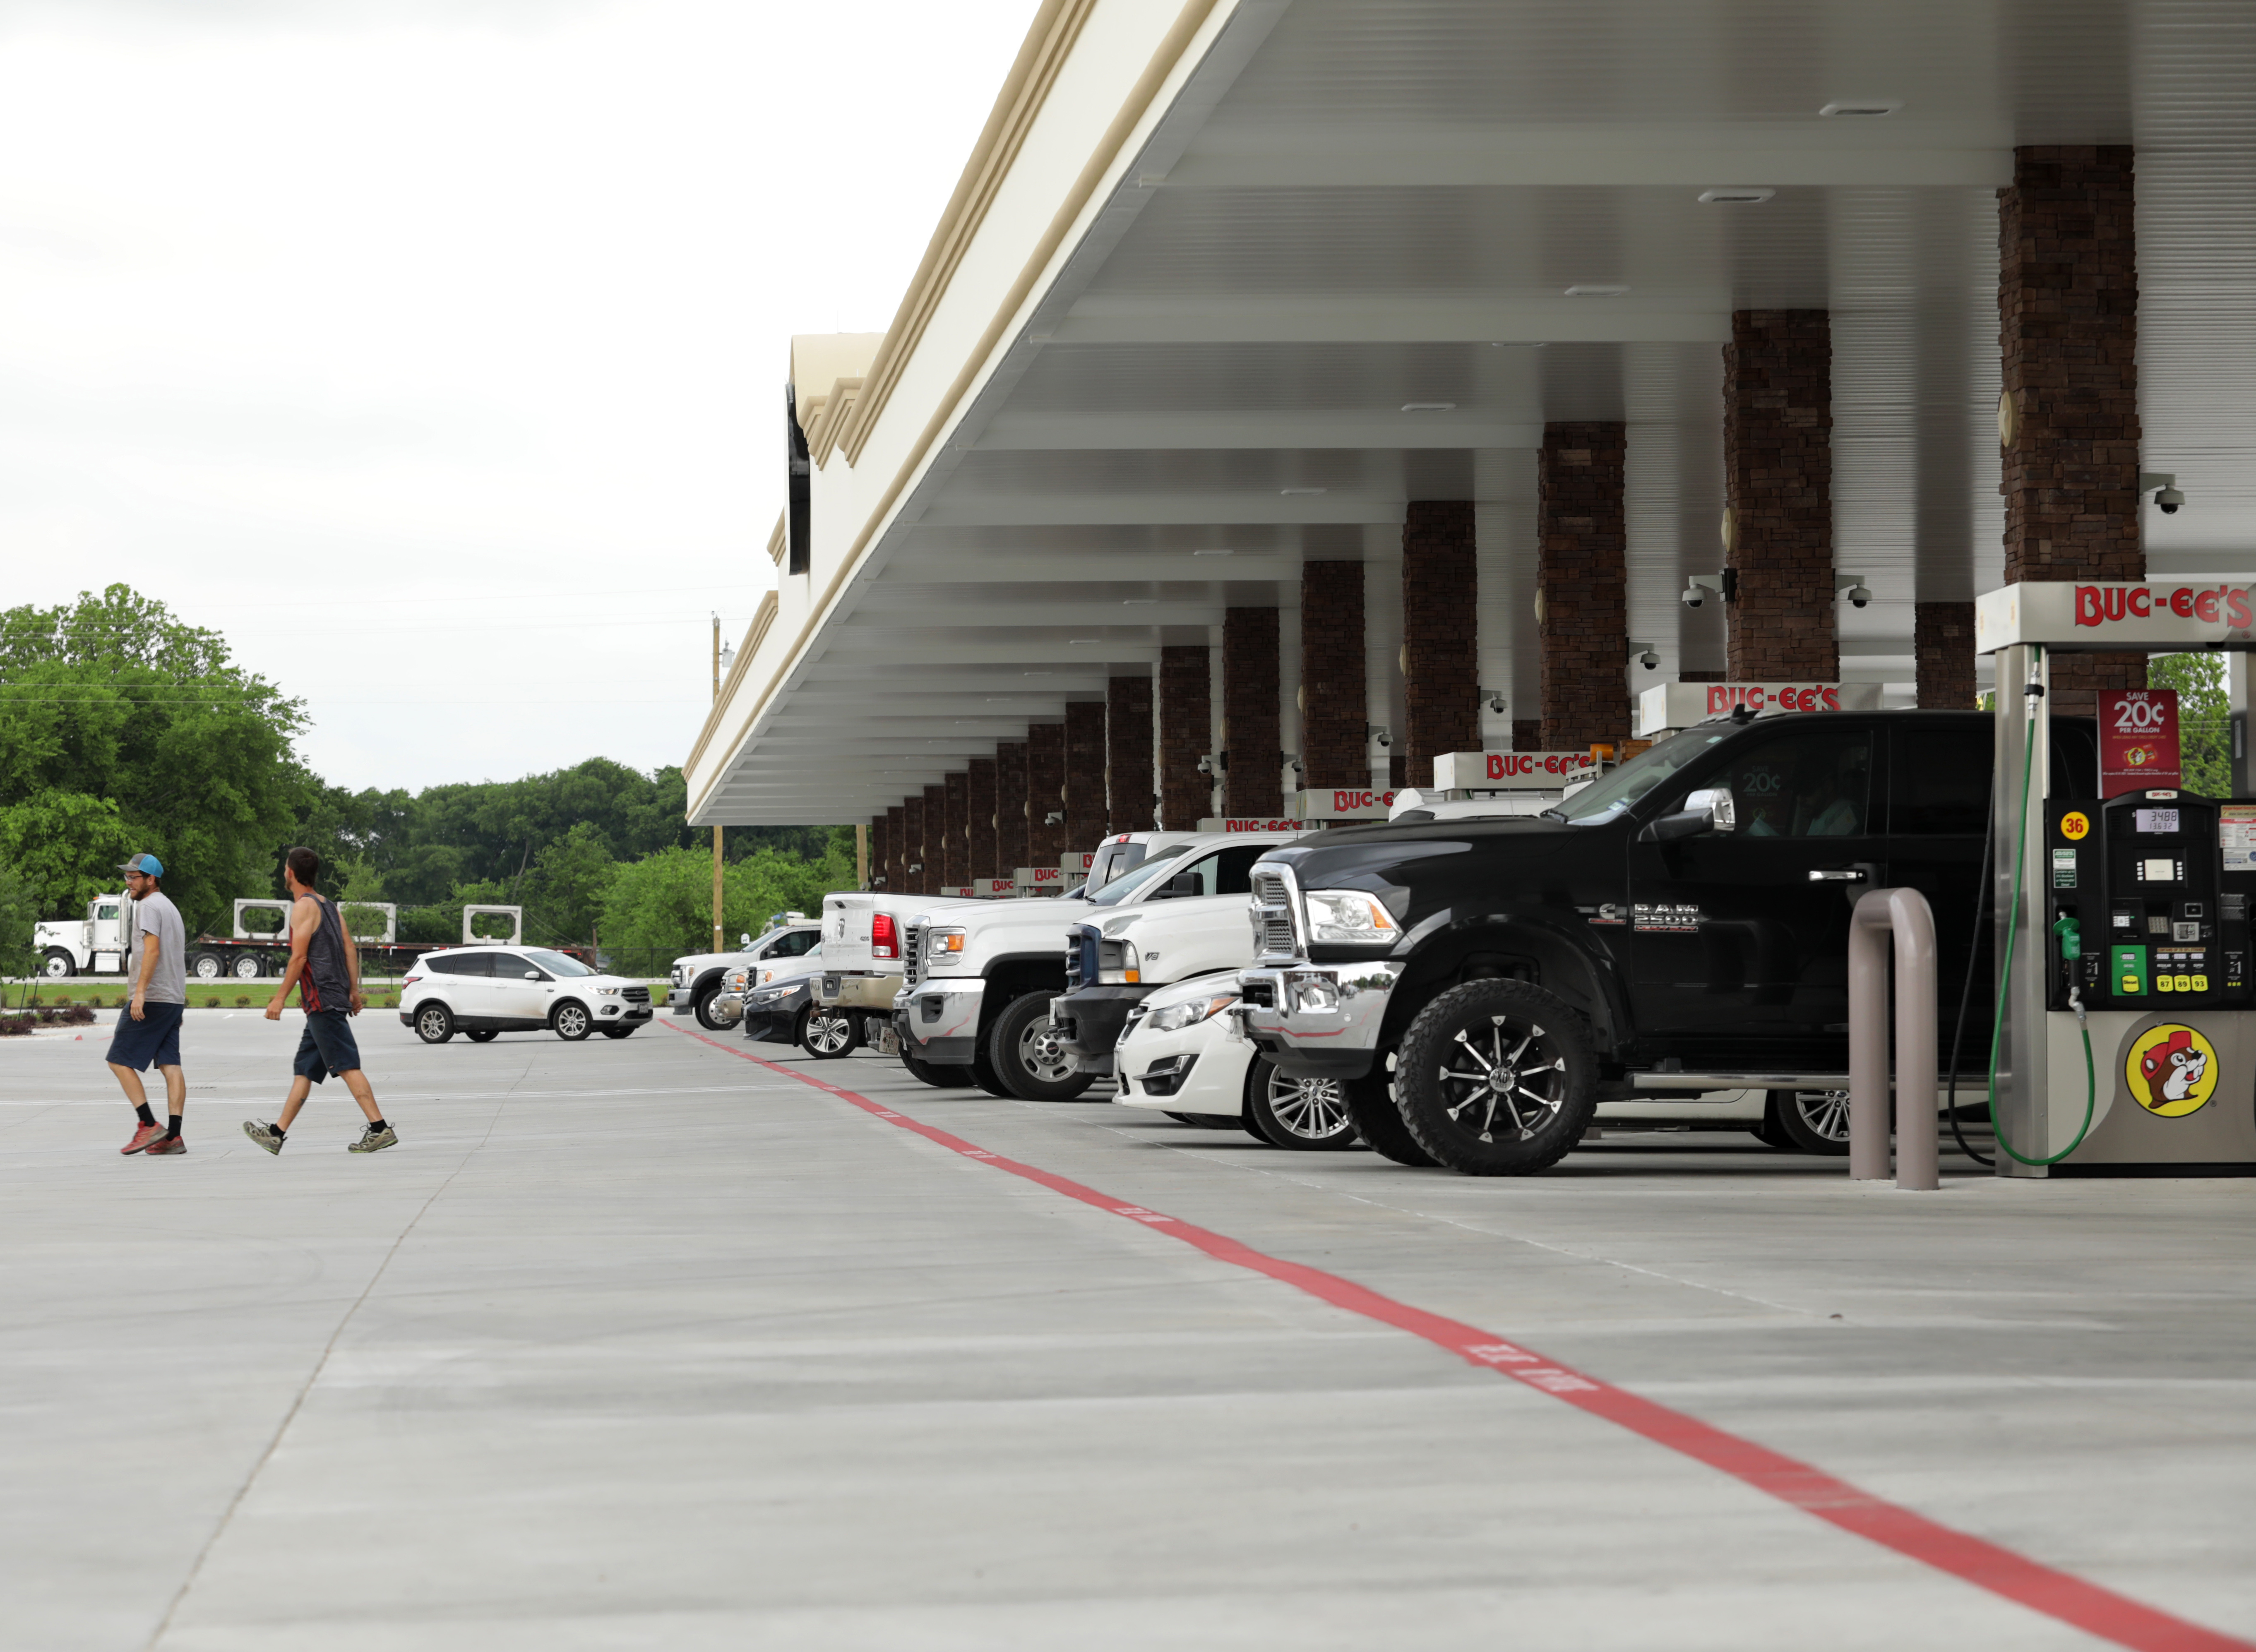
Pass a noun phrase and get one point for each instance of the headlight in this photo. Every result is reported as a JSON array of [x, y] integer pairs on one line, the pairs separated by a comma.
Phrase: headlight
[[1118, 965], [1348, 915], [607, 992], [1175, 1017], [769, 995], [940, 943], [737, 980]]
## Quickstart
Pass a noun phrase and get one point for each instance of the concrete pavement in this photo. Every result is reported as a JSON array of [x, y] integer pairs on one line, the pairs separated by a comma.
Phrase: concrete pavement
[[639, 1344]]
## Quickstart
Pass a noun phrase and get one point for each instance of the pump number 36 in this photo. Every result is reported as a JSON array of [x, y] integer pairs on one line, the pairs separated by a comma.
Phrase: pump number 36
[[2074, 826]]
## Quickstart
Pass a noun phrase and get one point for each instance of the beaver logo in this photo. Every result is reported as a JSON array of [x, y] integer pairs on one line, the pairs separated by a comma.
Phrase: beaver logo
[[2171, 1071]]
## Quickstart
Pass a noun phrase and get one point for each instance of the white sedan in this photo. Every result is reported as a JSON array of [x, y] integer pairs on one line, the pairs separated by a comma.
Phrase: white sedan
[[1183, 1053]]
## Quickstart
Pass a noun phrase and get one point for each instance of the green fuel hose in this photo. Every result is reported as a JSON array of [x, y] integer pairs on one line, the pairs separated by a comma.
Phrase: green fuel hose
[[2012, 931]]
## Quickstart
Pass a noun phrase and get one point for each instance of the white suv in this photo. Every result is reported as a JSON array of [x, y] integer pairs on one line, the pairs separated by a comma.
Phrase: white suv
[[485, 991]]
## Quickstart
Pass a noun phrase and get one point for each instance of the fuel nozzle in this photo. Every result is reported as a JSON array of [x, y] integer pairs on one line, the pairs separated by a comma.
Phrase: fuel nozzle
[[2069, 933]]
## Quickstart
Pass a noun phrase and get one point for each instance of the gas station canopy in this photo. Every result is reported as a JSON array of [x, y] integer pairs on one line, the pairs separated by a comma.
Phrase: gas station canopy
[[1225, 286]]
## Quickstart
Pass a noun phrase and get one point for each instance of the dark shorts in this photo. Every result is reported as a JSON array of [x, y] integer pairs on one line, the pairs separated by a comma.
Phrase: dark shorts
[[154, 1041], [327, 1045]]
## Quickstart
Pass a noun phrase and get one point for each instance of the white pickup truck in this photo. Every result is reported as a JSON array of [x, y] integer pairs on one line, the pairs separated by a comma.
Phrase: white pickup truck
[[699, 978], [978, 984], [863, 933]]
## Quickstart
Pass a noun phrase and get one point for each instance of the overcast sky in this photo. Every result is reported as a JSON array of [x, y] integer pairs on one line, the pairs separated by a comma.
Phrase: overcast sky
[[434, 351]]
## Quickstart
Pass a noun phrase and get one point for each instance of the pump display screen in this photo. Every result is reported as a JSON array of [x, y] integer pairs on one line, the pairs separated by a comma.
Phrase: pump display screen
[[2162, 871], [2155, 820]]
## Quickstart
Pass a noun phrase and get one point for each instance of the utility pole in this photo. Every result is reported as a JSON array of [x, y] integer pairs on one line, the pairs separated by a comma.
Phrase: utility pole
[[861, 856], [716, 830]]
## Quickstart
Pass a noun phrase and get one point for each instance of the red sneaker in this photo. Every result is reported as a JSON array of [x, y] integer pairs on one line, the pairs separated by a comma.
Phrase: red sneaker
[[143, 1135], [164, 1144]]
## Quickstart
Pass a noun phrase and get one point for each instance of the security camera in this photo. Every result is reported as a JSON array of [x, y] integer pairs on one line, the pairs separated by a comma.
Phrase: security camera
[[1692, 597], [2169, 499], [1650, 660], [2164, 487], [1859, 595]]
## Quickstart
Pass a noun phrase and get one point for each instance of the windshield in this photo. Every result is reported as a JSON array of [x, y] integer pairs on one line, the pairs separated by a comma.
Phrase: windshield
[[1111, 860], [1604, 799], [1135, 877], [557, 964]]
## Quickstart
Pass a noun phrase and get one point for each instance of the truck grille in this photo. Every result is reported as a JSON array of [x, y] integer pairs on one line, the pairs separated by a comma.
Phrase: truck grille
[[1272, 917], [1081, 964], [912, 953], [637, 994]]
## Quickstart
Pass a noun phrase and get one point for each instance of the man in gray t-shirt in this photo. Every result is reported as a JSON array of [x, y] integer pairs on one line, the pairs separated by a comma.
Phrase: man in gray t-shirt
[[148, 1031]]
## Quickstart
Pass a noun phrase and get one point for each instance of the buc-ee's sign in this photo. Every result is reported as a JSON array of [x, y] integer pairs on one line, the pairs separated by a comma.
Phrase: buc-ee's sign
[[1344, 803], [1682, 705], [1247, 823], [1039, 877], [1511, 770], [2147, 614]]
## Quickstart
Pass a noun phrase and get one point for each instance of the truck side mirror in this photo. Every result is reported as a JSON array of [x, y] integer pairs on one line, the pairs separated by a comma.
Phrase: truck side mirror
[[1710, 809]]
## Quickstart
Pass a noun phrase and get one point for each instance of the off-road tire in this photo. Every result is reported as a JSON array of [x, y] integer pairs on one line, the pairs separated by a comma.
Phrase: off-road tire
[[435, 1024], [1029, 1063], [1379, 1121], [1810, 1121], [1497, 1077], [1266, 1089]]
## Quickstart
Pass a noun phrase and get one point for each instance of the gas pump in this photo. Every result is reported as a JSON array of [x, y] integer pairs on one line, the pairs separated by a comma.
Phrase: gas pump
[[2126, 1009]]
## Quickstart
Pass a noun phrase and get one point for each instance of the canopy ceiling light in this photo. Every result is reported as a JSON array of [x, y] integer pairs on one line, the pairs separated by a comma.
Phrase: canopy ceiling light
[[1735, 195]]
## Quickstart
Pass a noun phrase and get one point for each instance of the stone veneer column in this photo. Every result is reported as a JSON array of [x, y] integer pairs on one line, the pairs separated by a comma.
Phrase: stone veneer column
[[1440, 633], [1582, 583], [1253, 785], [2068, 311], [1778, 487], [1527, 734], [1011, 808], [935, 840], [1333, 693], [1044, 793], [1128, 754], [956, 847], [1085, 815], [979, 818], [1186, 721], [1942, 647]]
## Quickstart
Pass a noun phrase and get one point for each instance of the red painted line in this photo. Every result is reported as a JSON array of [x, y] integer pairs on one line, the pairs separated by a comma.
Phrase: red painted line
[[2056, 1594]]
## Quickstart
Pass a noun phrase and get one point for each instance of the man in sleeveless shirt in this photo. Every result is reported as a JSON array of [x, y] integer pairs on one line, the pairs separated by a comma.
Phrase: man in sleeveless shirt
[[325, 968]]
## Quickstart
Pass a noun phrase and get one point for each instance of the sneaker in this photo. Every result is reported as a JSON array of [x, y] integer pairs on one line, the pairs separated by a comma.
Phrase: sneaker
[[374, 1141], [143, 1135], [265, 1135], [164, 1144]]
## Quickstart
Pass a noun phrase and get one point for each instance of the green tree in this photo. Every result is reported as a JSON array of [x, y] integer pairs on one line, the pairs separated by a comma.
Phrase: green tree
[[19, 916], [2205, 718], [66, 847], [111, 698], [570, 878]]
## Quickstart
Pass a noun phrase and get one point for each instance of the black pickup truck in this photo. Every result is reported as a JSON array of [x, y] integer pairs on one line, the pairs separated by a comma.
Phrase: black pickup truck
[[1680, 925]]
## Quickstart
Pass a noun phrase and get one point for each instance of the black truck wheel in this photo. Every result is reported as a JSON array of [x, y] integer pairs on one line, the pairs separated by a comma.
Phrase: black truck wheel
[[1309, 1115], [1497, 1077], [206, 966], [938, 1078], [1379, 1121], [1028, 1056], [57, 965], [704, 1011], [983, 1075]]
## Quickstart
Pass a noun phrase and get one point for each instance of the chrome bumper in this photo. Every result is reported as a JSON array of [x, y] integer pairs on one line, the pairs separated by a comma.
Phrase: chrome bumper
[[1319, 1021], [726, 1009], [840, 991]]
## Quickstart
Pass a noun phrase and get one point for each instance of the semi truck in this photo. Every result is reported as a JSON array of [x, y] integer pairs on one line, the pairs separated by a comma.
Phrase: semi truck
[[98, 943]]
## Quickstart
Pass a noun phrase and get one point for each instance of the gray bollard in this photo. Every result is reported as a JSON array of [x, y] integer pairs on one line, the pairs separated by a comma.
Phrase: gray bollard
[[1903, 916]]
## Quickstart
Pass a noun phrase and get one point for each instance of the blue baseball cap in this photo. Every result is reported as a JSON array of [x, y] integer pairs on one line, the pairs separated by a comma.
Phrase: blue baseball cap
[[147, 864]]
